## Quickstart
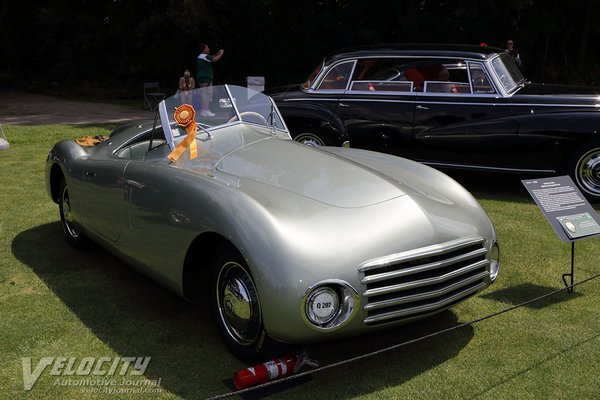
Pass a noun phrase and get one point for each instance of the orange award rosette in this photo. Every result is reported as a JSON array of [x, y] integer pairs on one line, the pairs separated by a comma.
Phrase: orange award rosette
[[184, 116]]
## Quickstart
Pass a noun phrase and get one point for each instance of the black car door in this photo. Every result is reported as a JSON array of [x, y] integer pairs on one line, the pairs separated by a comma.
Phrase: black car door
[[377, 107], [378, 120], [465, 125]]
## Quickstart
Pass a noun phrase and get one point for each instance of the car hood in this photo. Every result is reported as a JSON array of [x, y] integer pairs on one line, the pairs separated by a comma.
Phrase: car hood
[[562, 90], [278, 93], [310, 172]]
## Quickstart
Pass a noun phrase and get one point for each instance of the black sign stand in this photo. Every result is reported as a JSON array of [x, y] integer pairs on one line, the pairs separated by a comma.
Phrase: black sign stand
[[569, 213], [569, 286]]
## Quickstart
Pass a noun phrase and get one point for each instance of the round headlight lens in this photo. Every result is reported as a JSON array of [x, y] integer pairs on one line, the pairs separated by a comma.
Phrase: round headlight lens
[[494, 261], [322, 305]]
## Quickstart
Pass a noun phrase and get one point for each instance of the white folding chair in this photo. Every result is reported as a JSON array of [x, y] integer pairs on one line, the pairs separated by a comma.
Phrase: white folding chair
[[4, 145], [152, 95]]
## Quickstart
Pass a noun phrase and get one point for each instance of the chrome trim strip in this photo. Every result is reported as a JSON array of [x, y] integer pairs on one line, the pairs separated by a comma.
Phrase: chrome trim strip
[[320, 99], [425, 295], [433, 306], [420, 98], [408, 318], [435, 249], [425, 282], [484, 168], [425, 267]]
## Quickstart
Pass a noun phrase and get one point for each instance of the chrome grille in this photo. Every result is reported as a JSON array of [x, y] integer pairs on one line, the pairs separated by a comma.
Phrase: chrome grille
[[423, 281]]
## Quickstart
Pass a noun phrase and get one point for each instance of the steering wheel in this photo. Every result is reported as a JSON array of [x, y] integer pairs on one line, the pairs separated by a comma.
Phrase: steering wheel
[[249, 113], [504, 80]]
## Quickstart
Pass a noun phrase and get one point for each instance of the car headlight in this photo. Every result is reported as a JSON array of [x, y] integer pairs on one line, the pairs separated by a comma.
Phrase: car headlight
[[494, 261], [322, 305], [329, 304]]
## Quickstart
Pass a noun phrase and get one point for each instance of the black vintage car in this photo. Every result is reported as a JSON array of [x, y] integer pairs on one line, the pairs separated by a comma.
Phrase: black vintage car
[[449, 106]]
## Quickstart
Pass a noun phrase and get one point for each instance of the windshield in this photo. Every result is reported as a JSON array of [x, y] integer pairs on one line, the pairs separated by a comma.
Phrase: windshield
[[218, 106], [508, 72], [311, 79]]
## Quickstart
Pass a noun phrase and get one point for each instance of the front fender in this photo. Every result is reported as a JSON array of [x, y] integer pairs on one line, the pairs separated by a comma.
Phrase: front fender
[[304, 115], [550, 138], [64, 155]]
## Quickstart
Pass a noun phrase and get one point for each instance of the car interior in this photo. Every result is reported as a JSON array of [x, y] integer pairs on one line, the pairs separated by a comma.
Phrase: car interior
[[408, 75]]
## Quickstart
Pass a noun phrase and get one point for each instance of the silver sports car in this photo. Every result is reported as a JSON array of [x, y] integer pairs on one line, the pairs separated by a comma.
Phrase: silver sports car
[[289, 243]]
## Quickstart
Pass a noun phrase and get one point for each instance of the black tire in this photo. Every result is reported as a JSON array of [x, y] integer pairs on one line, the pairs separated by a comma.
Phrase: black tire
[[236, 308], [75, 238], [584, 168]]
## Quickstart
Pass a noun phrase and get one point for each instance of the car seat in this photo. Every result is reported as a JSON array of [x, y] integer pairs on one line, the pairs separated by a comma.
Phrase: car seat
[[414, 75]]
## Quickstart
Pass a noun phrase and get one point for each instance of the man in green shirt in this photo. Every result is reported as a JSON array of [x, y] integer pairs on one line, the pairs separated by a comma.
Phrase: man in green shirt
[[205, 76]]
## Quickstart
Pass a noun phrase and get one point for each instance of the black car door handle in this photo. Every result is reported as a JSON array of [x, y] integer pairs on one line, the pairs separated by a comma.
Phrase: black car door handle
[[420, 107], [344, 105], [90, 173]]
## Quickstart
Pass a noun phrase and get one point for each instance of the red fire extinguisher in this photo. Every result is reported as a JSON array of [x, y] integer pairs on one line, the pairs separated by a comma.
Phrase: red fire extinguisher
[[270, 370]]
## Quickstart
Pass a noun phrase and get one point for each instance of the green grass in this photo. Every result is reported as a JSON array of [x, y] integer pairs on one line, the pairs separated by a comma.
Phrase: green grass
[[56, 301]]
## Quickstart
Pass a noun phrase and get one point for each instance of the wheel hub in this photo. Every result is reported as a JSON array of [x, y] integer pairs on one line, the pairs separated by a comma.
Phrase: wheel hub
[[596, 171], [589, 172], [238, 304], [309, 139], [66, 214]]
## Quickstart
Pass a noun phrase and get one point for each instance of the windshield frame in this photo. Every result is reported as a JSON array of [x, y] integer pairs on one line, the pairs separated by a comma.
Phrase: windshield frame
[[231, 104], [507, 72], [309, 82]]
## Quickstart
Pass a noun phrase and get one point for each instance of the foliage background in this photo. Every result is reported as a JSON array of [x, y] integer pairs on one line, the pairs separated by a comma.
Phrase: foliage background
[[109, 47]]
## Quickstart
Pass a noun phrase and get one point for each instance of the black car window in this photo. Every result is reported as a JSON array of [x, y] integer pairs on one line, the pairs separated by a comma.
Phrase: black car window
[[444, 76], [337, 77], [378, 69], [480, 80], [380, 75], [381, 86], [410, 74]]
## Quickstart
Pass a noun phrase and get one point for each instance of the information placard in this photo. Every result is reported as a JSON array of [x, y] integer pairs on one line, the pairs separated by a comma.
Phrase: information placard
[[563, 205]]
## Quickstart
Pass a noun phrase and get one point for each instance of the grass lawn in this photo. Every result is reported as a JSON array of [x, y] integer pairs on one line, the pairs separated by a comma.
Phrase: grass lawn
[[59, 302]]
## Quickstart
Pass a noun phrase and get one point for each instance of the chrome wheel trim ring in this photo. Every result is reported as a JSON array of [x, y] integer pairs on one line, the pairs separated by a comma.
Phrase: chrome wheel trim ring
[[65, 213], [309, 139], [237, 304], [587, 172]]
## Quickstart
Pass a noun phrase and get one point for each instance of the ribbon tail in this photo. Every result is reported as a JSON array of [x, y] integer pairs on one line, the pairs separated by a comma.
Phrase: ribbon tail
[[189, 141]]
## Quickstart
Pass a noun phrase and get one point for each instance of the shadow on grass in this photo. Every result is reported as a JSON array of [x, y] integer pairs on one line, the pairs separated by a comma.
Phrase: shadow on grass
[[136, 317], [521, 293], [493, 186], [545, 362]]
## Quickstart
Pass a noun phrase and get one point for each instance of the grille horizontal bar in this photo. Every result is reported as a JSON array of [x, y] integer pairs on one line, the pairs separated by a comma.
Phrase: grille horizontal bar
[[425, 295], [423, 281], [433, 307], [412, 270]]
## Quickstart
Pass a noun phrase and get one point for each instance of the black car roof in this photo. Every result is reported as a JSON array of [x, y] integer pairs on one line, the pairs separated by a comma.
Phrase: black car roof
[[416, 49]]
